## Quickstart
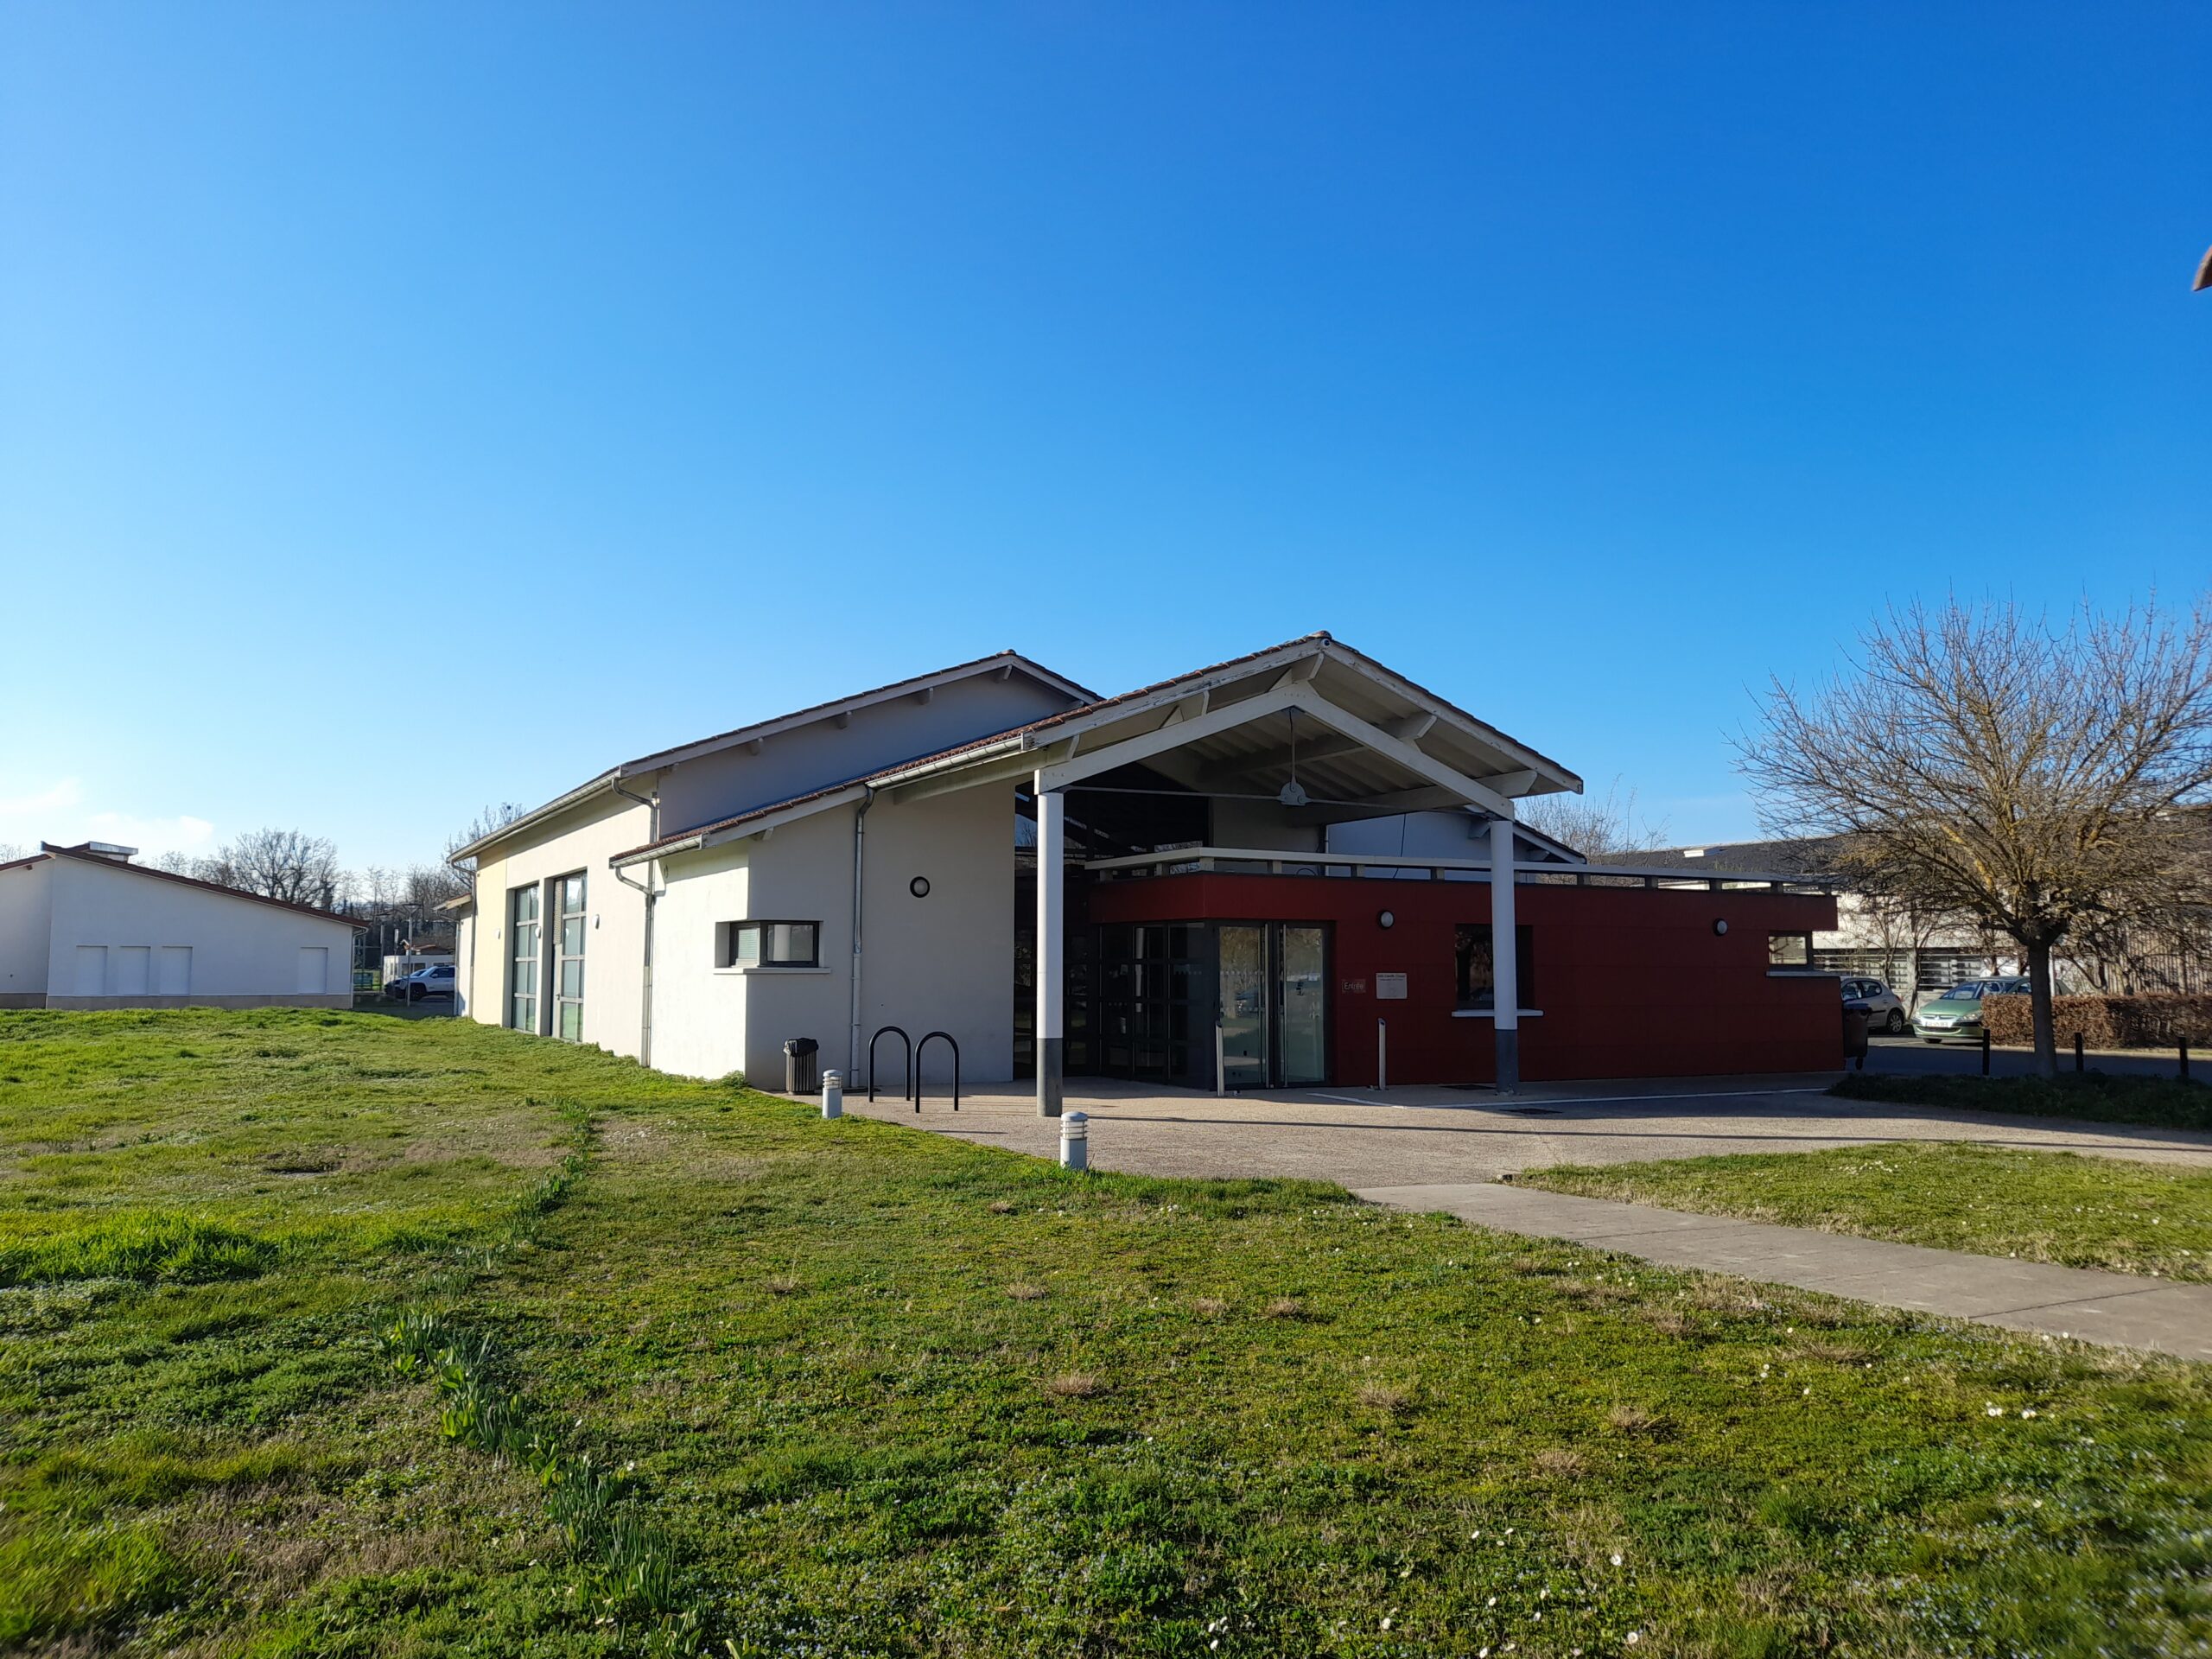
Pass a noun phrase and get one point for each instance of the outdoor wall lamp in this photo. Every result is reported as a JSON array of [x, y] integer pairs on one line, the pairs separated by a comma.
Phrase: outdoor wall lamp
[[919, 886], [1720, 926], [1385, 918]]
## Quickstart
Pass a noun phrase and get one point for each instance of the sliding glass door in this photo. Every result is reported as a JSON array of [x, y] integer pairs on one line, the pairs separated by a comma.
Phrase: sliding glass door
[[1274, 1004]]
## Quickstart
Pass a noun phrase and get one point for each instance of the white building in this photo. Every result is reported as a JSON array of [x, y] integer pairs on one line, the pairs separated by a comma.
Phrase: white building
[[701, 958], [83, 927], [1242, 873], [1917, 956]]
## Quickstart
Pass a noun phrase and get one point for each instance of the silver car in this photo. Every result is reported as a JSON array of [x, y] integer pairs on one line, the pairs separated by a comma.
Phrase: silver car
[[1884, 1008]]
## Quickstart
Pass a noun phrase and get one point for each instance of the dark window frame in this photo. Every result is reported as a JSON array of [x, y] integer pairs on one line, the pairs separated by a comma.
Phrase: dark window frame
[[1804, 939], [728, 954], [1463, 942]]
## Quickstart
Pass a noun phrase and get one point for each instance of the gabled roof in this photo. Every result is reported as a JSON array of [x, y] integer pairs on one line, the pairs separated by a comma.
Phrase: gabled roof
[[103, 861], [999, 662], [905, 688], [1805, 855], [1399, 698]]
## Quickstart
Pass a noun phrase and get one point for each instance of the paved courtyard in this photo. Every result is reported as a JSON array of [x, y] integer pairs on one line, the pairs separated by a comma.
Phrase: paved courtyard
[[1428, 1136]]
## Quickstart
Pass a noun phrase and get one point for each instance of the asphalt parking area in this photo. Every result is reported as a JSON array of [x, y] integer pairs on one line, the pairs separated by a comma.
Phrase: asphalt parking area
[[1914, 1057]]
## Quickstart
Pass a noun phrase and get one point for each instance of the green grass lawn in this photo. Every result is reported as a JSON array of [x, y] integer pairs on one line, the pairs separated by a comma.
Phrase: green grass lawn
[[2093, 1097], [759, 1384], [2040, 1206]]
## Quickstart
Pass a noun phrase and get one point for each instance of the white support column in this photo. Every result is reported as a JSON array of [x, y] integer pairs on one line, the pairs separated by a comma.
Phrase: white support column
[[1052, 935], [1505, 959]]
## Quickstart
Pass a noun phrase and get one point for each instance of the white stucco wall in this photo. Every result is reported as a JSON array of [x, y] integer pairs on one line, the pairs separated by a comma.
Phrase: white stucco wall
[[942, 962], [613, 937], [1415, 835], [698, 1011], [25, 900], [244, 953], [817, 754]]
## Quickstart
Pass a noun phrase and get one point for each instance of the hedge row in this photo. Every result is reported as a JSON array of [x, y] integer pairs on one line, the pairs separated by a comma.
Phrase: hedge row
[[2153, 1021]]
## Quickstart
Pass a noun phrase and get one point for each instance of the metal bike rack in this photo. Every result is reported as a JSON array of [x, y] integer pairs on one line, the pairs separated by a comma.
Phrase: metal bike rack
[[918, 1049], [907, 1088]]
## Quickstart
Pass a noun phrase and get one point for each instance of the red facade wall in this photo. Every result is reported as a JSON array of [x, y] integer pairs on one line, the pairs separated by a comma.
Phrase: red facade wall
[[1631, 981]]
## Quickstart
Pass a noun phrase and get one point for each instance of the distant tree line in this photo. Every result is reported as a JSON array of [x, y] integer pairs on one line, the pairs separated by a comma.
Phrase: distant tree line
[[300, 868]]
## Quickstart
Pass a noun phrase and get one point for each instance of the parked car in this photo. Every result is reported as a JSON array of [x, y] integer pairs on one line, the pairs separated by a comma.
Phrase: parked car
[[1884, 1008], [436, 979], [1957, 1013]]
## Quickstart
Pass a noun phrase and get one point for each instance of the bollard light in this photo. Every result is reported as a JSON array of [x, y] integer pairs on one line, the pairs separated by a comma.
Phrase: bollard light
[[833, 1095], [1075, 1141]]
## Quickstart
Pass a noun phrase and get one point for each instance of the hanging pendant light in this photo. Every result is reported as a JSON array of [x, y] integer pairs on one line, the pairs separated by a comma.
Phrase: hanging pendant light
[[1290, 794]]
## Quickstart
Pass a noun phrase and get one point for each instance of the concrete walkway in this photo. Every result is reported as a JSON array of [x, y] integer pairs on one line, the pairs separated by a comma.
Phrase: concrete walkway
[[2106, 1308], [1430, 1135]]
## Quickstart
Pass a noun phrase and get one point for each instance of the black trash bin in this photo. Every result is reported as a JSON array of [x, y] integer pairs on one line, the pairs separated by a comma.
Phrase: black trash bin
[[1855, 1032], [799, 1065]]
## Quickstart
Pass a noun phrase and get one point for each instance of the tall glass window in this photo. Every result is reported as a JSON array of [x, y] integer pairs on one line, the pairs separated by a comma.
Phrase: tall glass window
[[1151, 985], [521, 951], [569, 984]]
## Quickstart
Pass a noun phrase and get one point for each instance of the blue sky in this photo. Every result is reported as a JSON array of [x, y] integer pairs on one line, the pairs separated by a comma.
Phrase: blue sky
[[404, 408]]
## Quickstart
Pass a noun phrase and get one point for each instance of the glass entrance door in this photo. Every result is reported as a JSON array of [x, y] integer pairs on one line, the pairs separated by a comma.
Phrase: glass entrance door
[[1247, 1044], [1274, 1004], [1301, 1004]]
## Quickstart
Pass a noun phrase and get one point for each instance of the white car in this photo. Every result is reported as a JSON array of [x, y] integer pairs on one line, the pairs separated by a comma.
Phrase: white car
[[436, 979], [1884, 1008]]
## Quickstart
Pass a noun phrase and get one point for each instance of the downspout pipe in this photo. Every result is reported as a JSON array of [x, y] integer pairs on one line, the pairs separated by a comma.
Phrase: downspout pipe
[[652, 803], [859, 865]]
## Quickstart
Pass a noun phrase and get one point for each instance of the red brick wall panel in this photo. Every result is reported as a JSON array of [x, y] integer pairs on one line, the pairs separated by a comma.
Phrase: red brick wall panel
[[1630, 981]]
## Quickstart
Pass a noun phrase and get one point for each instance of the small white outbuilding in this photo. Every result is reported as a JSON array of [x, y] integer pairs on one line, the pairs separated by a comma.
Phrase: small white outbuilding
[[83, 927]]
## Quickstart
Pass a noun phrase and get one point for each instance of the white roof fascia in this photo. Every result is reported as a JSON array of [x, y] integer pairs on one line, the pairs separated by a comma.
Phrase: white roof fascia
[[1168, 696], [759, 823], [1475, 729], [537, 815], [913, 771]]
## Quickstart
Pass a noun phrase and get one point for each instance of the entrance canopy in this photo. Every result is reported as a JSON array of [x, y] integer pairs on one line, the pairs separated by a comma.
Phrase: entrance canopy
[[1357, 740], [1288, 741]]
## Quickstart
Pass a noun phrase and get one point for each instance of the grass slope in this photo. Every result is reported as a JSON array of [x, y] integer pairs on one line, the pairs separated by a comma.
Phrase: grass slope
[[886, 1393], [2040, 1206]]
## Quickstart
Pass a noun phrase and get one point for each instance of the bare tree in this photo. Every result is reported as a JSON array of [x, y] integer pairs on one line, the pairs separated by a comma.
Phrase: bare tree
[[300, 870], [9, 851], [497, 816], [1980, 762], [423, 887], [1600, 826], [1902, 930]]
